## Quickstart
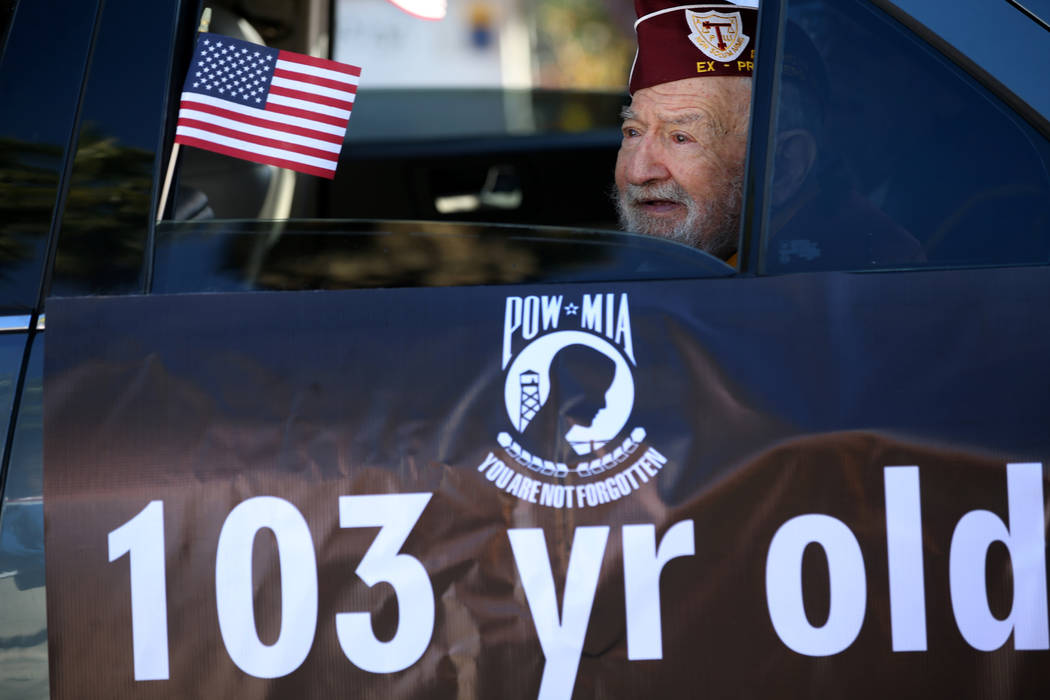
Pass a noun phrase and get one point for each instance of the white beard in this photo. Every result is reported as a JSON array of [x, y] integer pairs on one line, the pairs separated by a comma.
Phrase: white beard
[[713, 226]]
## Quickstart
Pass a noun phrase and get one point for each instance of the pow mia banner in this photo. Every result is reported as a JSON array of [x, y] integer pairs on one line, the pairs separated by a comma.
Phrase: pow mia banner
[[808, 486]]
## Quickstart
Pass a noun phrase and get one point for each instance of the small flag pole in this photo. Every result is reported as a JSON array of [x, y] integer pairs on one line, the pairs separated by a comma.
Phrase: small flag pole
[[205, 21]]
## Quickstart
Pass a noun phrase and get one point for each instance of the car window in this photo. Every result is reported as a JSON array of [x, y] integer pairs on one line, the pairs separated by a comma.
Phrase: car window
[[7, 13], [1037, 10], [224, 256], [1008, 41], [527, 137], [12, 346], [117, 141], [889, 156], [492, 113], [35, 127]]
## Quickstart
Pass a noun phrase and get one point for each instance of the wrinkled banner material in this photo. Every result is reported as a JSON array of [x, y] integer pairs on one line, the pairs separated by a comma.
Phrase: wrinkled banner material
[[808, 486]]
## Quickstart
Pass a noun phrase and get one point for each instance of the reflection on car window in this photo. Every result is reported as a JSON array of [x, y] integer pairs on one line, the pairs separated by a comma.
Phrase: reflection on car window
[[890, 156], [33, 140], [109, 201], [1038, 9], [223, 256], [23, 622], [7, 13]]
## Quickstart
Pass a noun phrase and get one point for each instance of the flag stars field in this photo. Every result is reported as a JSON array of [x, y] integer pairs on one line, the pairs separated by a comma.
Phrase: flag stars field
[[267, 106]]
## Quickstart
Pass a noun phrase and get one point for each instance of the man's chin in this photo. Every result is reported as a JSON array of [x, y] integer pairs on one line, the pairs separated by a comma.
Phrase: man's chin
[[671, 228]]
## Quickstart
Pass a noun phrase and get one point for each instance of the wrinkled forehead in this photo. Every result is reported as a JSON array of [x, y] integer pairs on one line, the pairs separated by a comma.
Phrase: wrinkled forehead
[[719, 101]]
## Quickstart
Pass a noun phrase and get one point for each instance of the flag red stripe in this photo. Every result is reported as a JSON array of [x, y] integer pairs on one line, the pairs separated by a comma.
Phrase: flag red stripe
[[307, 114], [257, 121], [314, 80], [310, 97], [255, 157], [319, 62], [261, 140]]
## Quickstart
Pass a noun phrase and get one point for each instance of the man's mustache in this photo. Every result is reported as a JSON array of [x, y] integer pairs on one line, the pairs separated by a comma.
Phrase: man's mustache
[[669, 191]]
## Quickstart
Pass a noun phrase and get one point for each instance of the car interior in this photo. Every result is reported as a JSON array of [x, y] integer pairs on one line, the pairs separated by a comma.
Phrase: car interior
[[915, 153]]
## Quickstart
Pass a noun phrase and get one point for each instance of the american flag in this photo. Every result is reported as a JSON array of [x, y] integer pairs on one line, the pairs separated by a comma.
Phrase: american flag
[[265, 105]]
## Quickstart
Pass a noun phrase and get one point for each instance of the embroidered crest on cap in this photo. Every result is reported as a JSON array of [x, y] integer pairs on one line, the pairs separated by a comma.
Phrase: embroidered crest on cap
[[718, 35]]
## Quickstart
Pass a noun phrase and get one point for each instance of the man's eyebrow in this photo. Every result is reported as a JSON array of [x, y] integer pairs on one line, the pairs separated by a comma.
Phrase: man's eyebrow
[[688, 118]]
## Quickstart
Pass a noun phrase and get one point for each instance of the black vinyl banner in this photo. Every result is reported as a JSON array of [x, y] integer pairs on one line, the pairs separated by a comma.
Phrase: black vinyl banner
[[810, 486]]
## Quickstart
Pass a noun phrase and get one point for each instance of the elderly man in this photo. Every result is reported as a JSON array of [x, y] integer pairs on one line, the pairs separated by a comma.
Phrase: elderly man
[[679, 171]]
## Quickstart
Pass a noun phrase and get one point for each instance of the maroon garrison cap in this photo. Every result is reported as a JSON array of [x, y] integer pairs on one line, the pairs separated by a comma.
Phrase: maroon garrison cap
[[678, 41]]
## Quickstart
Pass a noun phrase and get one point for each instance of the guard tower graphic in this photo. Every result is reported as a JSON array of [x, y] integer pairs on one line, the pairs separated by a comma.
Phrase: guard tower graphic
[[530, 396]]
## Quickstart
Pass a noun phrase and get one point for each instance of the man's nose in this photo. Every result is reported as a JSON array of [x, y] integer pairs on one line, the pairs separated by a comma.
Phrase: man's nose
[[647, 162]]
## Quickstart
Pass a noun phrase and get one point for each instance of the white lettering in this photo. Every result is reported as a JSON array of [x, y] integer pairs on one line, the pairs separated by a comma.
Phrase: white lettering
[[636, 469], [489, 461], [784, 585], [561, 634], [142, 539], [235, 592], [1026, 542], [642, 564], [904, 554], [623, 330], [551, 312], [395, 515], [591, 314], [505, 476], [630, 477], [511, 322], [530, 322]]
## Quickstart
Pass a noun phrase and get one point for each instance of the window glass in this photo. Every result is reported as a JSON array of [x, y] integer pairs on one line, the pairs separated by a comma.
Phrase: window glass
[[12, 346], [23, 620], [888, 155], [1004, 41], [1039, 8], [109, 206], [47, 46], [7, 13], [228, 256]]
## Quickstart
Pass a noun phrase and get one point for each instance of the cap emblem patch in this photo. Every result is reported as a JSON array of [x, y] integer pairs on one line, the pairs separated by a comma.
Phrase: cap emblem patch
[[718, 35]]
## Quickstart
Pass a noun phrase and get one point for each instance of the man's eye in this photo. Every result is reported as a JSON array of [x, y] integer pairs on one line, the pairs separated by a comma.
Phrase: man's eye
[[630, 132], [680, 138]]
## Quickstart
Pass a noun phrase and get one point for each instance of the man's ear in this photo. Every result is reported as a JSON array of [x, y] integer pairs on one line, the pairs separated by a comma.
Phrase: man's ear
[[796, 152]]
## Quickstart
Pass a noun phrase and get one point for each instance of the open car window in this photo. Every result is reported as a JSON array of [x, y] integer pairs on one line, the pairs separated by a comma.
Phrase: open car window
[[916, 163], [495, 112]]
